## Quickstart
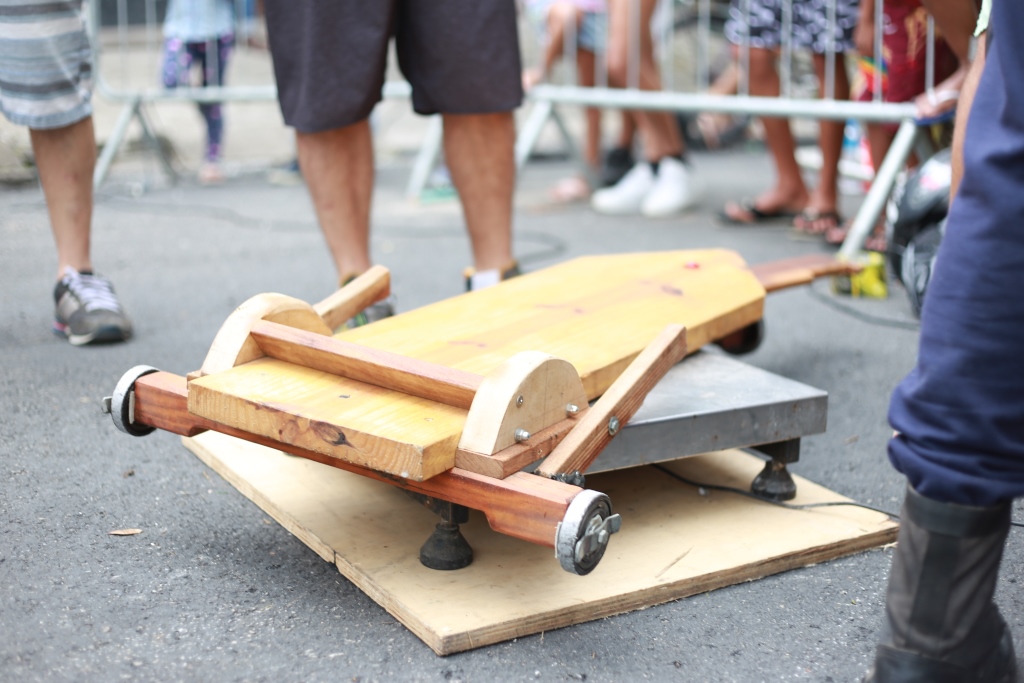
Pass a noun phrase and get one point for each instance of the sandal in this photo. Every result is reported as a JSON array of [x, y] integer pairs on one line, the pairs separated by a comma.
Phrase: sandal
[[816, 222], [731, 213]]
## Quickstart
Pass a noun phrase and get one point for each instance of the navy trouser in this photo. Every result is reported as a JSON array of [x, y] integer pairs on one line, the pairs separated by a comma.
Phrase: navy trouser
[[960, 412]]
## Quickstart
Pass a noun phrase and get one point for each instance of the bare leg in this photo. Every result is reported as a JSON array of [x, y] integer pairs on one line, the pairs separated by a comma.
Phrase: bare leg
[[789, 193], [830, 138], [479, 150], [338, 167], [659, 132], [65, 158], [585, 64]]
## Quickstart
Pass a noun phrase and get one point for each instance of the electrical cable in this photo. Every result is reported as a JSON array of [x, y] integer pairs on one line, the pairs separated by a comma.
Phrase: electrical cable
[[790, 506], [913, 326]]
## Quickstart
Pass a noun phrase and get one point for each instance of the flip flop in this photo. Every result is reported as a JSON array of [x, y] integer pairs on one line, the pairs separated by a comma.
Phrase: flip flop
[[808, 217], [757, 215]]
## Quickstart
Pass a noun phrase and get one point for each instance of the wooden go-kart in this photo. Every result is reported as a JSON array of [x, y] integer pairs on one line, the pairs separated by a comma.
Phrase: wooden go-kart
[[455, 401]]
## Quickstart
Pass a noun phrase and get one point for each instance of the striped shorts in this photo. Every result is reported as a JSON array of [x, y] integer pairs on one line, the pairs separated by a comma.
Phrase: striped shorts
[[45, 63]]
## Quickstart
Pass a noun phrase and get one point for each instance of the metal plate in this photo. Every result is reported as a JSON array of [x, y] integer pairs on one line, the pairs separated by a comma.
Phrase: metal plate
[[710, 402]]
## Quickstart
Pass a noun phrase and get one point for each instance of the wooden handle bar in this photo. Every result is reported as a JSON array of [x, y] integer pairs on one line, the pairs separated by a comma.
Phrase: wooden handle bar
[[380, 368], [581, 445], [801, 270], [368, 288]]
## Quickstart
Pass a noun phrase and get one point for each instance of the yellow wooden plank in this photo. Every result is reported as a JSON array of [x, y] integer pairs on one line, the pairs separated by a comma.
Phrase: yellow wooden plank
[[361, 423], [597, 312]]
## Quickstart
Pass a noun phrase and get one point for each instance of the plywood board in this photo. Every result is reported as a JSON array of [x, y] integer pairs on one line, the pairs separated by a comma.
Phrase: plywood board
[[598, 313], [674, 542]]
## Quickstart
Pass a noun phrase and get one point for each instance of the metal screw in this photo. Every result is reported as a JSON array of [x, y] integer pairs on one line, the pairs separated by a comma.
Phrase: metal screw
[[572, 410], [521, 435], [613, 426], [519, 401]]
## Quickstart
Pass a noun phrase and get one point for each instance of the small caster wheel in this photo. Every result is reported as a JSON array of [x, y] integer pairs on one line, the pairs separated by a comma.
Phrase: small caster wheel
[[121, 405], [582, 536], [743, 341]]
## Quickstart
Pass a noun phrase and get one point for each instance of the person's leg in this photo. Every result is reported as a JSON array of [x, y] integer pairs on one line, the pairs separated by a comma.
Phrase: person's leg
[[821, 214], [479, 151], [789, 194], [338, 167], [557, 21], [87, 310], [65, 158], [631, 55]]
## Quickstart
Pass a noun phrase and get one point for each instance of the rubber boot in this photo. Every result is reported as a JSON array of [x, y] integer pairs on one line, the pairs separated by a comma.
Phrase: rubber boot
[[941, 624]]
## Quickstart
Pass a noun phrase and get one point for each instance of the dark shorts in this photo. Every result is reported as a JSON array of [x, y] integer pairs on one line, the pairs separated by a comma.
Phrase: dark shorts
[[460, 56]]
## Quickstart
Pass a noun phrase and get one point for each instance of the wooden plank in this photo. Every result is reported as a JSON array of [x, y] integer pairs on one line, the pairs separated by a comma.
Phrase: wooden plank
[[372, 366], [523, 506], [366, 425], [621, 401], [800, 270], [675, 542], [596, 313]]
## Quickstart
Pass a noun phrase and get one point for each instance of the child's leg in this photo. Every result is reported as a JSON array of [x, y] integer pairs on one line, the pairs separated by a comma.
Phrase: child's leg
[[177, 63], [213, 65]]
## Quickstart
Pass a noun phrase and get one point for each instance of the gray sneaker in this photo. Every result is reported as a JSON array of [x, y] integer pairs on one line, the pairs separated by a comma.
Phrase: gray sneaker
[[88, 310]]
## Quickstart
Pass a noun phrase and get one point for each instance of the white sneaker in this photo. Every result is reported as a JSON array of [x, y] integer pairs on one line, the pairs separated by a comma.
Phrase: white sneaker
[[672, 192], [627, 195]]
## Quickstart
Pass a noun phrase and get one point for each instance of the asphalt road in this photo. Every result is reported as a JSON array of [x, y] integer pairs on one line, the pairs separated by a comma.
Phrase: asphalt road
[[212, 590]]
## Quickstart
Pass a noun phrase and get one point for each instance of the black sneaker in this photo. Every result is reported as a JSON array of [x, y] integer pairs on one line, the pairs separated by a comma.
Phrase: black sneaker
[[87, 310], [617, 163]]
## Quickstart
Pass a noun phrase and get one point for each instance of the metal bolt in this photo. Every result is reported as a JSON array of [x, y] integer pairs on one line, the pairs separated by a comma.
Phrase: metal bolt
[[519, 401], [613, 426], [572, 410], [521, 435]]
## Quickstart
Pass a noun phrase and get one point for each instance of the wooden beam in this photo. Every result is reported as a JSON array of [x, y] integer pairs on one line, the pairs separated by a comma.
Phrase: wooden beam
[[623, 398], [800, 270], [368, 288], [523, 505], [380, 368]]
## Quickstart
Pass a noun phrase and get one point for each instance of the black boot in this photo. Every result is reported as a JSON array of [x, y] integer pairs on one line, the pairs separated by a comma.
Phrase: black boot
[[941, 624]]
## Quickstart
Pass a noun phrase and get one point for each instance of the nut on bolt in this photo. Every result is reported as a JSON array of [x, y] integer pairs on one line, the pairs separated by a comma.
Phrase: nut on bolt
[[572, 410], [613, 426], [521, 435]]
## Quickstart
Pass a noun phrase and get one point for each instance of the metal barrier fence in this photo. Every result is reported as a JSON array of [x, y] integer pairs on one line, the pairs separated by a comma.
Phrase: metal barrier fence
[[127, 41]]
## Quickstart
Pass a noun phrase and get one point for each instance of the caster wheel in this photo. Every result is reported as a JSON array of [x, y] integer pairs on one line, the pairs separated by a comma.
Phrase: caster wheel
[[122, 404], [582, 535], [743, 341]]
